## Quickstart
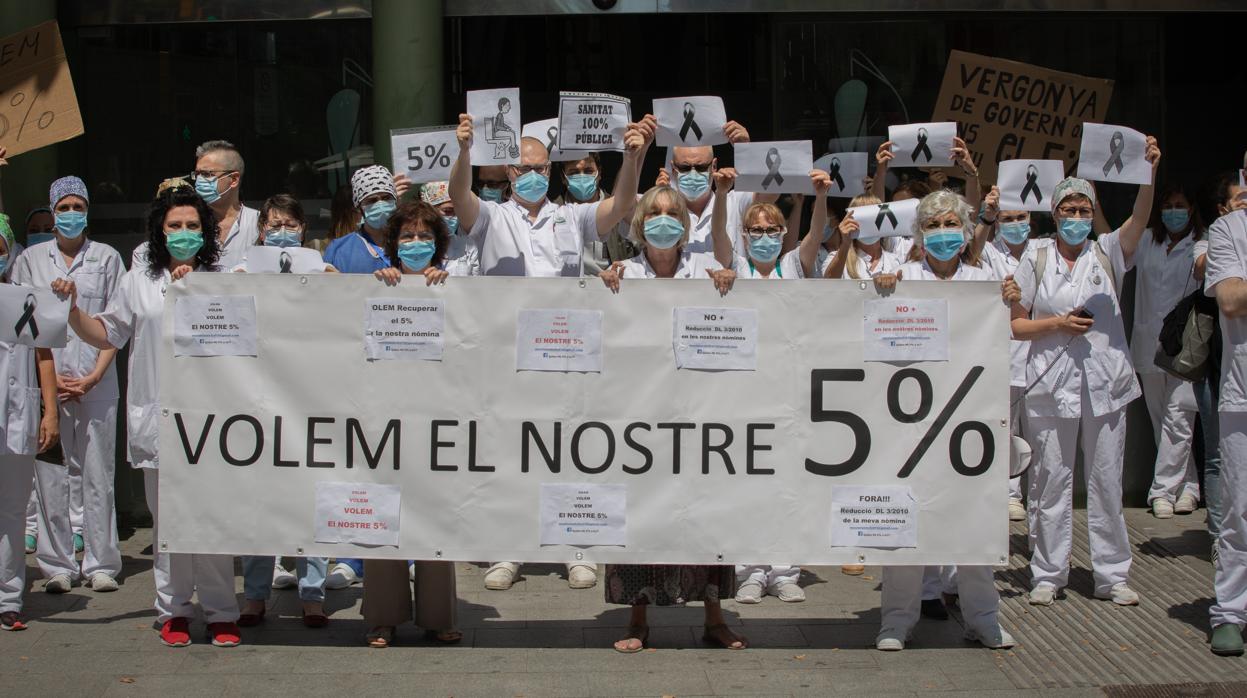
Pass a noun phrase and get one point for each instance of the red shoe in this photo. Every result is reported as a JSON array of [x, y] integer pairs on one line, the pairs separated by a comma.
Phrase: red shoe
[[225, 634], [176, 632], [11, 620]]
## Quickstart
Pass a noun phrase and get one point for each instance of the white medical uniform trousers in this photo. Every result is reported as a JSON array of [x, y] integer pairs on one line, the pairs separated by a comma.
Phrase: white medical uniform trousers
[[902, 597], [1017, 405], [88, 438], [180, 575], [938, 580], [15, 480], [766, 575], [1171, 405], [1231, 573], [1050, 505]]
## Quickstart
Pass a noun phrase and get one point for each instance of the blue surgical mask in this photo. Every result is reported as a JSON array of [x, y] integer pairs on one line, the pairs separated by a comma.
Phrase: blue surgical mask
[[4, 262], [491, 194], [205, 187], [416, 255], [693, 184], [868, 239], [1015, 233], [663, 232], [944, 246], [33, 239], [827, 231], [71, 223], [283, 237], [532, 186], [1074, 231], [583, 186], [1175, 219], [452, 223], [184, 244], [765, 249], [376, 215]]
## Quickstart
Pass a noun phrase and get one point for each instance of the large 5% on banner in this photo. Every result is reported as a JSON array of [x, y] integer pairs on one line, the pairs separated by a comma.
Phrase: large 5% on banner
[[612, 443]]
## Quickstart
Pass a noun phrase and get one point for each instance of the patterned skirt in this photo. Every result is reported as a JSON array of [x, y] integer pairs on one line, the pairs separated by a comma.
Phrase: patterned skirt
[[668, 585]]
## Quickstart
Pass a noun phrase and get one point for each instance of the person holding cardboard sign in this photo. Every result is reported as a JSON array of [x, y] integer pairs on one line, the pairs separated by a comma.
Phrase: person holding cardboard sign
[[1079, 376]]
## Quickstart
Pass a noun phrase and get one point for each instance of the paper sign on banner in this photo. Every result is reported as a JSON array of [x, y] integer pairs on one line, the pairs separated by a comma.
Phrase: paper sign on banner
[[547, 131], [215, 326], [366, 513], [724, 339], [584, 514], [690, 121], [265, 259], [35, 317], [404, 328], [847, 171], [38, 106], [592, 122], [424, 154], [893, 219], [905, 329], [558, 340], [495, 126], [774, 167], [880, 516], [1113, 154], [1027, 185], [922, 145]]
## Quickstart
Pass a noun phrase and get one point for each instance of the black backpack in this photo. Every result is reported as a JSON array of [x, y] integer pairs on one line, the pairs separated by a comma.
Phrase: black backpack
[[1190, 338]]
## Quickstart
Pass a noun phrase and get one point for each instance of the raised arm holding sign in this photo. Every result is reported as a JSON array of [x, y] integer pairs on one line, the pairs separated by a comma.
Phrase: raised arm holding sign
[[496, 119], [1113, 154]]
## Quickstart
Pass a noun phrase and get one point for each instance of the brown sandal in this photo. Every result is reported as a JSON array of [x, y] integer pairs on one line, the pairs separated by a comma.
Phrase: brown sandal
[[635, 632], [446, 637], [380, 637], [714, 635]]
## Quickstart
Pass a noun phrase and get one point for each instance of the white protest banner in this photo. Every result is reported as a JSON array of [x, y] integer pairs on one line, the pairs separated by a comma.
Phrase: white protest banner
[[1113, 154], [922, 145], [399, 328], [547, 131], [893, 219], [424, 154], [495, 126], [353, 512], [1027, 185], [265, 259], [774, 167], [847, 171], [690, 121], [215, 326], [35, 317], [470, 441], [593, 122], [905, 329]]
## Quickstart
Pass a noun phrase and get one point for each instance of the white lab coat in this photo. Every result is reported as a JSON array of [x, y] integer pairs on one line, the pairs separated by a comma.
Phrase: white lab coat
[[789, 267], [692, 266], [888, 264], [700, 240], [509, 244], [19, 435]]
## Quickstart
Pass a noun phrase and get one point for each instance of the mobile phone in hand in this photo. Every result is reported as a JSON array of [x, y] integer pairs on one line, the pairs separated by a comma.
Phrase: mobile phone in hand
[[1083, 313]]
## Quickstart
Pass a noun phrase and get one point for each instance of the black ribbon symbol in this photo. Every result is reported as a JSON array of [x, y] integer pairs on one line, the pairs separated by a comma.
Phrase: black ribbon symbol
[[772, 169], [1032, 184], [834, 170], [28, 318], [552, 133], [689, 124], [1116, 146], [284, 262], [885, 212], [921, 147]]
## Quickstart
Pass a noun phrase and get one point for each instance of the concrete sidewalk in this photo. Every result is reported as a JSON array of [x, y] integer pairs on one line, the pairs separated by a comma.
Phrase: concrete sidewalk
[[543, 639]]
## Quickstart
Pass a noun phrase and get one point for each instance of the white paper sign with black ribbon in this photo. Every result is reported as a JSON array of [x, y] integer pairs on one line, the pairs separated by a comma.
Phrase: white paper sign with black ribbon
[[495, 126], [35, 317], [847, 170], [690, 121], [774, 167], [424, 154], [547, 131], [893, 219], [263, 259], [922, 145], [592, 122], [1027, 185], [1113, 154]]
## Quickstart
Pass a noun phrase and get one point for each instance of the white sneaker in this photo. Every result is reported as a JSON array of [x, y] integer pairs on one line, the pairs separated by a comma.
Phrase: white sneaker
[[501, 575], [283, 578], [1162, 508], [1042, 595], [890, 640], [788, 592], [1186, 504], [340, 576], [1017, 510], [1121, 594], [996, 639], [749, 592], [582, 577], [102, 582], [58, 584]]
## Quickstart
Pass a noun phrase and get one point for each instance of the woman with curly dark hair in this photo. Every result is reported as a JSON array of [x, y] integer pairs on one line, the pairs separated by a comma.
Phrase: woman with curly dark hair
[[182, 237], [416, 240]]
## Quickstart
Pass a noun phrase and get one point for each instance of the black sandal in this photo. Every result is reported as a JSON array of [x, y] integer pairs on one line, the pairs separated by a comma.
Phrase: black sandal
[[635, 632]]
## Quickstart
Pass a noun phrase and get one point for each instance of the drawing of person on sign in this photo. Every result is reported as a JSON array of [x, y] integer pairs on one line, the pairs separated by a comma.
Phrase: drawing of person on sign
[[502, 135]]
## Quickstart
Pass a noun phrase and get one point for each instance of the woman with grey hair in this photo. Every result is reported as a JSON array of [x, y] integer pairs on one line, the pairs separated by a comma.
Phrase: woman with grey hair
[[1079, 375]]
